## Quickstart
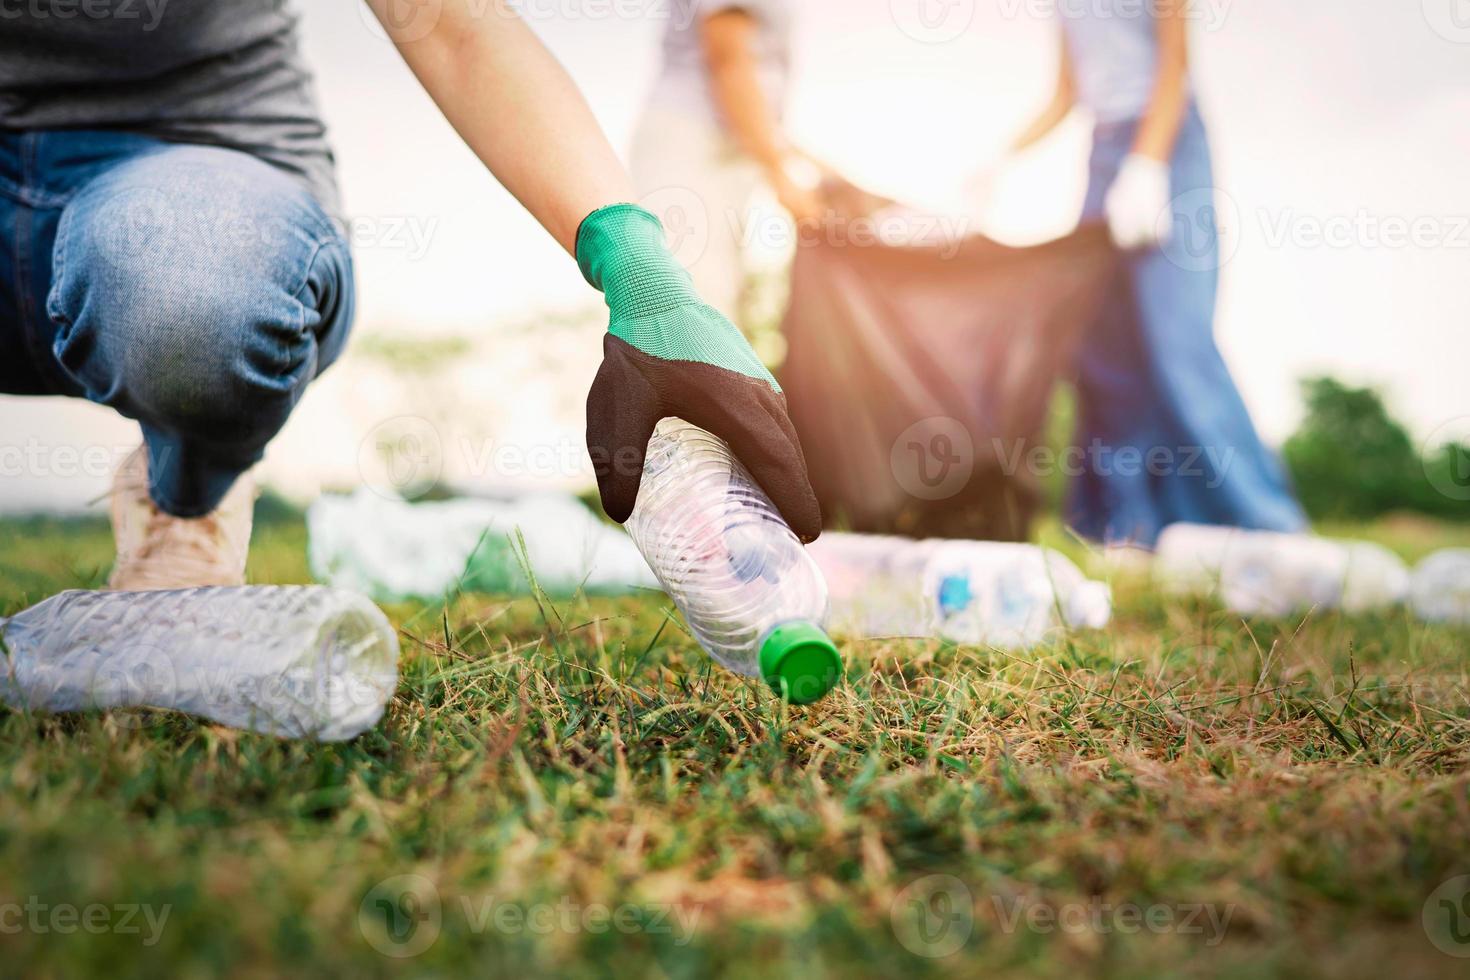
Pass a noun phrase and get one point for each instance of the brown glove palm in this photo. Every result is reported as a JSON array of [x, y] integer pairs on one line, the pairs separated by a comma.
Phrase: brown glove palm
[[669, 354]]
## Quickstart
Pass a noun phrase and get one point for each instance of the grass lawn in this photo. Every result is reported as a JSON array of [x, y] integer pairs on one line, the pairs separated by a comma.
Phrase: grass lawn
[[570, 788]]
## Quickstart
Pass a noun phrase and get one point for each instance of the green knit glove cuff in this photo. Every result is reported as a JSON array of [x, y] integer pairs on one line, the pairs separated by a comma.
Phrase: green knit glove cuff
[[650, 298]]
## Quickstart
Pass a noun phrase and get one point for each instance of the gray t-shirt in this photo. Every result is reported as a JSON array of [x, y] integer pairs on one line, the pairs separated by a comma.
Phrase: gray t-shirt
[[219, 72], [684, 83]]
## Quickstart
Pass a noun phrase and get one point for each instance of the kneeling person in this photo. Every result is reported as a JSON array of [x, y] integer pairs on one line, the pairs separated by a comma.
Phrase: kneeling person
[[174, 251]]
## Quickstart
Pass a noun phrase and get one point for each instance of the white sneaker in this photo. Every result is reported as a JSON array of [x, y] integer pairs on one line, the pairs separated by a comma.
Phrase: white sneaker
[[156, 550]]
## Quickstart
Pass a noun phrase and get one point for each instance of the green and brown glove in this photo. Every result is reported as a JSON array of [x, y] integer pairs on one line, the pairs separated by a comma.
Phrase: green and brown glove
[[666, 353]]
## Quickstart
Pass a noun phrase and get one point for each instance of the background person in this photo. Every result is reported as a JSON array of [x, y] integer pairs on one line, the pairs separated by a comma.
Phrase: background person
[[172, 250], [712, 127], [1149, 376]]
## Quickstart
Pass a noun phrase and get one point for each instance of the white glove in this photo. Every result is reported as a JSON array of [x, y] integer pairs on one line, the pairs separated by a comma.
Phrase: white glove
[[1137, 204]]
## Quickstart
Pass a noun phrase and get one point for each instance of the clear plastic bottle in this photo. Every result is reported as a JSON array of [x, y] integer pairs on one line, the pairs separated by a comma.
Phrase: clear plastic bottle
[[1188, 557], [1440, 586], [297, 661], [1274, 574], [393, 550], [991, 592], [751, 595]]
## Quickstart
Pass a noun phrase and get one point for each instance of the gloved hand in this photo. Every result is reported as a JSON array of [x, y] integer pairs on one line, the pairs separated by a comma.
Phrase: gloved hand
[[668, 354], [1137, 202]]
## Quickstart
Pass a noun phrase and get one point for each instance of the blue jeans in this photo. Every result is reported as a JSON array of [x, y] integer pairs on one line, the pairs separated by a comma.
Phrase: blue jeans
[[1161, 424], [195, 289]]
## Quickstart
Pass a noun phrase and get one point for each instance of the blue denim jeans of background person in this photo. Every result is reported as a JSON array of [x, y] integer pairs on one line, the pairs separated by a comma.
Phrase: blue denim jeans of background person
[[1164, 434], [193, 288]]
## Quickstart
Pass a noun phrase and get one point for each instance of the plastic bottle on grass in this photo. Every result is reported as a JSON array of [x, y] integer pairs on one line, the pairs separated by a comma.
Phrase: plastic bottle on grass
[[1275, 574], [1440, 586], [1188, 557], [296, 661], [394, 550], [992, 592], [751, 595]]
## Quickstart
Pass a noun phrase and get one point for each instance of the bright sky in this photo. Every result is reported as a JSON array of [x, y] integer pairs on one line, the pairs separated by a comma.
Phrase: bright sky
[[1339, 127], [1348, 125]]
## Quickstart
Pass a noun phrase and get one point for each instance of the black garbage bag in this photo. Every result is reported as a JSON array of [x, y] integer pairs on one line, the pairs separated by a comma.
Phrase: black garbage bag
[[919, 376]]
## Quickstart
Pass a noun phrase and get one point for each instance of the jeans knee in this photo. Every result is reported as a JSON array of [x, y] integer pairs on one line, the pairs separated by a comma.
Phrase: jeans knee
[[197, 310], [195, 347]]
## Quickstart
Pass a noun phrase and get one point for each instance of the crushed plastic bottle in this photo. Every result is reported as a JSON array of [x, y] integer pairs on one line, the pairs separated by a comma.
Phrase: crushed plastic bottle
[[750, 593], [1188, 558], [394, 551], [1274, 574], [295, 661], [991, 592], [1440, 586]]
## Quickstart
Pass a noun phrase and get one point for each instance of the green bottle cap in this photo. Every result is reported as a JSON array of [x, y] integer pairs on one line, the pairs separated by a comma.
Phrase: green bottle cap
[[799, 661]]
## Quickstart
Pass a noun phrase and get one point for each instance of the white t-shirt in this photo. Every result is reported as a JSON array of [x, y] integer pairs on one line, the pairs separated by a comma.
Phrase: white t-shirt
[[1114, 48], [683, 84]]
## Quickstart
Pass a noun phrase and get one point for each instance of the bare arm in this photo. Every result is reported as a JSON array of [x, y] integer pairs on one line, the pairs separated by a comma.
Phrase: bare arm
[[516, 108], [728, 41], [1063, 98], [1160, 125]]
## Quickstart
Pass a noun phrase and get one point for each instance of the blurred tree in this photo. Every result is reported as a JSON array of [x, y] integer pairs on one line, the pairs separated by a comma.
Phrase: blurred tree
[[1351, 459]]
